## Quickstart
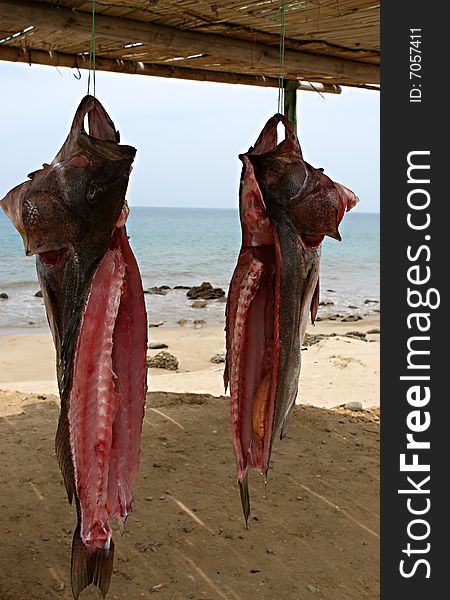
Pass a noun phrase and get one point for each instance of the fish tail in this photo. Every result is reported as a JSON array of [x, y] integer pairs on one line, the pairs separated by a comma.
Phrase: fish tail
[[245, 498], [90, 566]]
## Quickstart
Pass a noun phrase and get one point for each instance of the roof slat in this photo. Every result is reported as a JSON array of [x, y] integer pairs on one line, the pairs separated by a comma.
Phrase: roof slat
[[327, 40]]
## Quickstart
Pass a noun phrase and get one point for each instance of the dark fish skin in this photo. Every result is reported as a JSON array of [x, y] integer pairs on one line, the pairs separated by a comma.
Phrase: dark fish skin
[[298, 278], [67, 214], [286, 208]]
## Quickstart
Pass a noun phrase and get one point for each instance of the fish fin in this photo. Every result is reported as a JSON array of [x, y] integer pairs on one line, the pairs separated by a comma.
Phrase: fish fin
[[285, 424], [315, 303], [63, 454], [226, 377], [245, 498], [90, 566]]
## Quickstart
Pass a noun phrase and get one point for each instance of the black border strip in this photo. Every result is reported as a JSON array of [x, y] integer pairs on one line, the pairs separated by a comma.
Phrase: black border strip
[[412, 126]]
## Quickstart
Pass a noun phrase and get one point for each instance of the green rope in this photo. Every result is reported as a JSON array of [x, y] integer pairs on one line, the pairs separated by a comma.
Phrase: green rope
[[92, 53], [281, 76]]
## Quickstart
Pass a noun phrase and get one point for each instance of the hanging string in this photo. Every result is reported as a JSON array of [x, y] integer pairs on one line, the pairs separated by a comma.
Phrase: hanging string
[[92, 53], [281, 75], [316, 90]]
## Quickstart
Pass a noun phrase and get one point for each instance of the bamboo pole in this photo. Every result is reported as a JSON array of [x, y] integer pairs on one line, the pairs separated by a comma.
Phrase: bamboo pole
[[290, 102], [61, 59]]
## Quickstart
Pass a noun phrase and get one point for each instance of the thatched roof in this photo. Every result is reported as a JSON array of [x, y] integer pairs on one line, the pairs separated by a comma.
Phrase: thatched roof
[[328, 41]]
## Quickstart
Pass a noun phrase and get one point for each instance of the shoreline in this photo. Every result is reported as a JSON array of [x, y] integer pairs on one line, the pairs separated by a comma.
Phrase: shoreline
[[337, 367], [23, 330], [26, 314]]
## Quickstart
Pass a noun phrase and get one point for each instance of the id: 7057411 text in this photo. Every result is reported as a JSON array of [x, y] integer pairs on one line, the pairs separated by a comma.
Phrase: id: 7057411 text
[[415, 65]]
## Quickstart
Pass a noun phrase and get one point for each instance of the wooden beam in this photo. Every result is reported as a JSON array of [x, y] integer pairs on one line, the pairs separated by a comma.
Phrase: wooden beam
[[262, 59], [73, 61]]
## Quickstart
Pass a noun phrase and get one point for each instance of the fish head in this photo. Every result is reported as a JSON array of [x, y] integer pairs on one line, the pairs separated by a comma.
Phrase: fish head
[[319, 207], [81, 192], [257, 228], [291, 187], [12, 205], [67, 213]]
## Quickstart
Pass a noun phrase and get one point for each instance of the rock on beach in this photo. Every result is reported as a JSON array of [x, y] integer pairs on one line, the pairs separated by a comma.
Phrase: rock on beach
[[156, 346], [199, 304], [163, 360], [159, 291], [205, 291], [351, 319], [218, 358]]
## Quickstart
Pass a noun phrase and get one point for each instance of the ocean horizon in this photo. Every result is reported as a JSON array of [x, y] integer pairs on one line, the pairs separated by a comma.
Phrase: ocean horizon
[[186, 246]]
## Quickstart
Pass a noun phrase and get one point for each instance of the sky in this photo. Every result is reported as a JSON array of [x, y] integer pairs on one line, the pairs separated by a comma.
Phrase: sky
[[188, 134]]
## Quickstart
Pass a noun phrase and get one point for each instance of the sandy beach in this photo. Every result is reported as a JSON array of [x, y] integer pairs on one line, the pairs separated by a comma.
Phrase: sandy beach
[[185, 538]]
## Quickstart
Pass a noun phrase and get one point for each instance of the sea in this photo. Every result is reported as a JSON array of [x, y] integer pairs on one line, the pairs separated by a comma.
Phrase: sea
[[186, 246]]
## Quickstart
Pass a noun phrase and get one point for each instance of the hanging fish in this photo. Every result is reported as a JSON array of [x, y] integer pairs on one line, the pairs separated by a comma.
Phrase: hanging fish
[[286, 209], [71, 215]]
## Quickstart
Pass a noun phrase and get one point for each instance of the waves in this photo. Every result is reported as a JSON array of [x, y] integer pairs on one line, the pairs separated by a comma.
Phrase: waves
[[187, 246]]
